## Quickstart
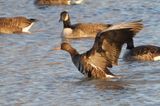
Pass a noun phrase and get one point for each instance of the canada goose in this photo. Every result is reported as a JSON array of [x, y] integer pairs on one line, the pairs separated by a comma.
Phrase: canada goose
[[9, 29], [80, 30], [57, 2], [104, 52], [15, 24], [143, 53]]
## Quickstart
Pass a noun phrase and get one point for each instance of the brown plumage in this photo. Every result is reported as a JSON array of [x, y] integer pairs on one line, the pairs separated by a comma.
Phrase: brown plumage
[[52, 2], [143, 53], [104, 53], [5, 29], [80, 30], [57, 2], [87, 29], [19, 24], [20, 21]]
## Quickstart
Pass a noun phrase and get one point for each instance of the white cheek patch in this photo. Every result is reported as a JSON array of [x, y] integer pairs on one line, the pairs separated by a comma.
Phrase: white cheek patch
[[156, 58], [67, 31], [66, 18]]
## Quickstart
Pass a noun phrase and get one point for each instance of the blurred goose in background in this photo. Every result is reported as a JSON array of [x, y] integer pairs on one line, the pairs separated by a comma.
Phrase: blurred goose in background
[[80, 30], [58, 2], [142, 53], [19, 24], [104, 53]]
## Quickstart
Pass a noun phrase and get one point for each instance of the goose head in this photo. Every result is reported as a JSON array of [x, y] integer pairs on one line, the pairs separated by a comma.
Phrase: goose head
[[67, 47], [64, 16]]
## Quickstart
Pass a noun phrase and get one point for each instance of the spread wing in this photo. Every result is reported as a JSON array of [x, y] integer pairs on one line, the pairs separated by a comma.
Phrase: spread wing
[[107, 47], [135, 26]]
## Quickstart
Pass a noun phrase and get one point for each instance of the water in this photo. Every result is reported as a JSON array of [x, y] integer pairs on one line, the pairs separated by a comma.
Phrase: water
[[32, 74]]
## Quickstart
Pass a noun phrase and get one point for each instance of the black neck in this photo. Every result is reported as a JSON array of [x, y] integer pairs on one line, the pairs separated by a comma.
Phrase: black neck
[[130, 44], [67, 24]]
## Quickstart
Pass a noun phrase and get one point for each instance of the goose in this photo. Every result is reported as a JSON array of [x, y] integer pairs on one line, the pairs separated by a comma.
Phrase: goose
[[104, 53], [81, 30], [7, 29], [142, 53], [57, 2], [11, 25]]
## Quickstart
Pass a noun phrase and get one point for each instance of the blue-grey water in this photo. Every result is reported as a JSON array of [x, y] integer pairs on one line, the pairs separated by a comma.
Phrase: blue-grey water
[[32, 74]]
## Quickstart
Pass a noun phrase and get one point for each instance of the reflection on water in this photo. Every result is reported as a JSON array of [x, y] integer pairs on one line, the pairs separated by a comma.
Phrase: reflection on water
[[103, 85], [32, 74]]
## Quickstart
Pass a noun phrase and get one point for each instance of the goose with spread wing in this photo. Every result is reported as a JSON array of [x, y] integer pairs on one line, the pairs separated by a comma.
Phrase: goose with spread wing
[[104, 53]]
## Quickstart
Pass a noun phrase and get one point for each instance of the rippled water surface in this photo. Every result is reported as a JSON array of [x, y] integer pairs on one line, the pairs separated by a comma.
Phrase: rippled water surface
[[32, 74]]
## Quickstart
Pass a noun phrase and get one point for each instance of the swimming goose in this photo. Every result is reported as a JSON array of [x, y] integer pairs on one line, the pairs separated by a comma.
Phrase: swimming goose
[[58, 2], [80, 30], [11, 25], [104, 53], [10, 29], [143, 53]]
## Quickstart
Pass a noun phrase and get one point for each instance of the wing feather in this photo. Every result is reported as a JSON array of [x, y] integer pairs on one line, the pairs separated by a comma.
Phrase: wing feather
[[107, 47], [135, 26]]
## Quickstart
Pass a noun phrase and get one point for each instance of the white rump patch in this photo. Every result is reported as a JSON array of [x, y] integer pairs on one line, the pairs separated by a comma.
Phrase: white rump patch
[[69, 2], [109, 76], [77, 1], [156, 58], [26, 29], [67, 31]]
